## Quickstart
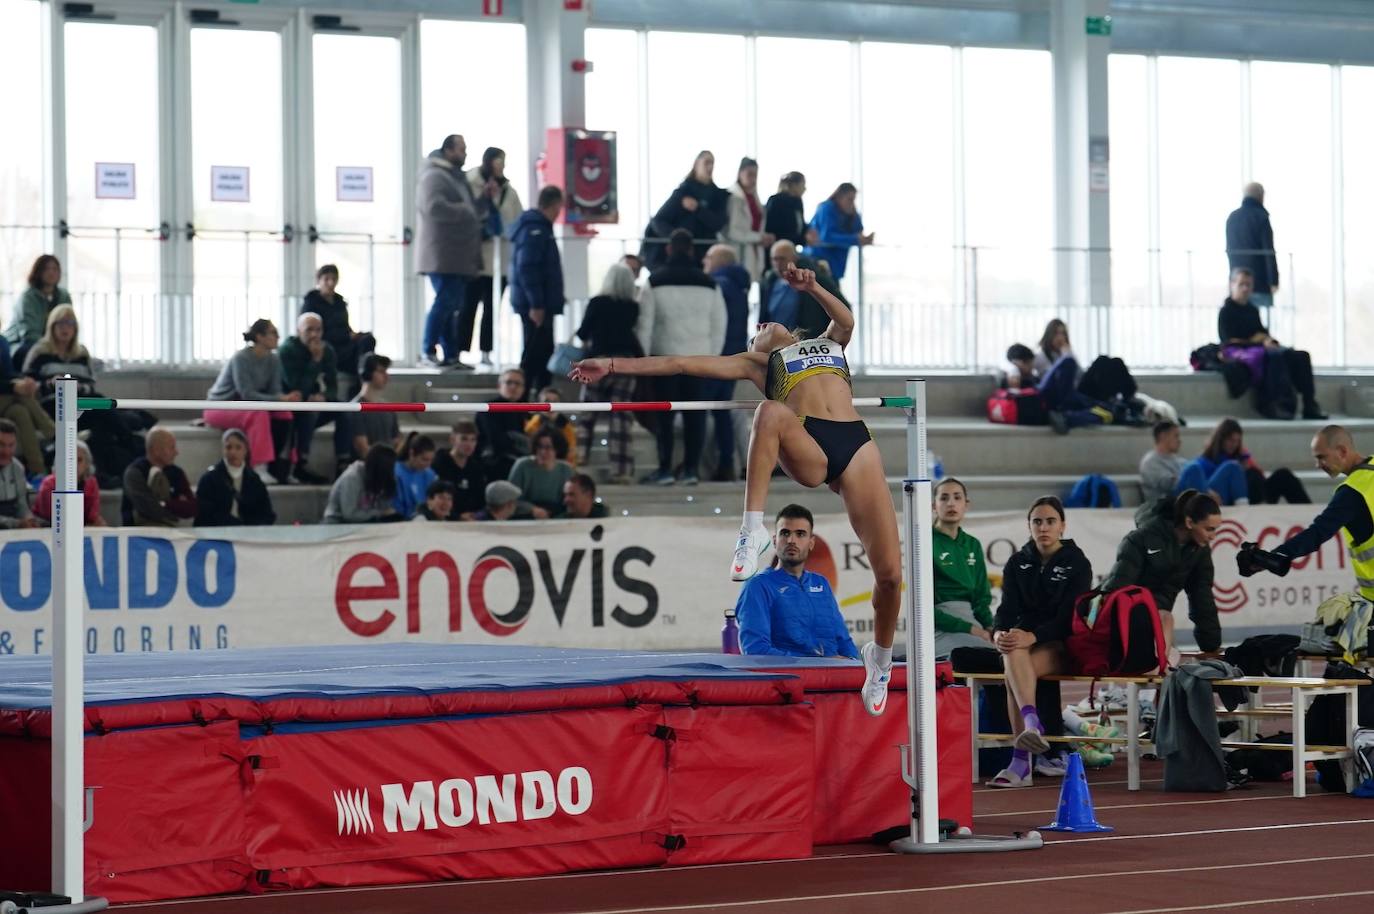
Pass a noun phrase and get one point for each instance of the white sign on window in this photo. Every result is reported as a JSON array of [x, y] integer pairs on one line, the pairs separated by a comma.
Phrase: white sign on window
[[354, 184], [114, 181], [229, 183]]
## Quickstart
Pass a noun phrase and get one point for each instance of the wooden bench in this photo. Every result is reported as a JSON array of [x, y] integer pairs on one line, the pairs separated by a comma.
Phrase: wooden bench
[[1302, 690]]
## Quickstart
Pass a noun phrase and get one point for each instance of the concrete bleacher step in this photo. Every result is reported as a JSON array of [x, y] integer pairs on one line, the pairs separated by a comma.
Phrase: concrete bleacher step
[[965, 447]]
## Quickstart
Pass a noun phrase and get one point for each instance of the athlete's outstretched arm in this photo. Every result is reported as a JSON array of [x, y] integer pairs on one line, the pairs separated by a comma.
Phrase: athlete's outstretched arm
[[841, 327], [723, 367]]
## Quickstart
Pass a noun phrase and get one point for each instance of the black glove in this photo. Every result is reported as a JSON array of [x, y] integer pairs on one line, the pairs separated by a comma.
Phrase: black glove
[[1252, 559]]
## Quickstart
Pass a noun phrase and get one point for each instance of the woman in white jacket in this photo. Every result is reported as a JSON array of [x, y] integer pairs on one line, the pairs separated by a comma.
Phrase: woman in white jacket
[[480, 292], [745, 228]]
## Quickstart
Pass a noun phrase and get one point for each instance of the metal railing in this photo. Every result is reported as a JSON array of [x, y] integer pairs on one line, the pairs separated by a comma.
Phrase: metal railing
[[927, 307]]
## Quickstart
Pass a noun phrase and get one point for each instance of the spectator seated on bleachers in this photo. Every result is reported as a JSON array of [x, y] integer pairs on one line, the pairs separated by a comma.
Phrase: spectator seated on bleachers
[[1059, 373], [1161, 465], [19, 405], [579, 499], [365, 493], [254, 373], [14, 487], [501, 437], [564, 433], [460, 467], [309, 369], [1226, 468], [1246, 339], [438, 502], [541, 477], [350, 346], [90, 489], [1170, 552], [502, 501], [231, 493], [414, 473], [30, 317], [157, 492], [367, 429], [113, 433], [1021, 371]]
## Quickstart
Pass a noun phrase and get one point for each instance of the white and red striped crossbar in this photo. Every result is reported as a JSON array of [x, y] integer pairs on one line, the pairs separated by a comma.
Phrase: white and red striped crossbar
[[644, 406]]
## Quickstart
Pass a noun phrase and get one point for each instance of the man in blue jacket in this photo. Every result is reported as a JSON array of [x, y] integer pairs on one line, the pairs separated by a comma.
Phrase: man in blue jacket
[[788, 610], [1250, 244], [536, 283]]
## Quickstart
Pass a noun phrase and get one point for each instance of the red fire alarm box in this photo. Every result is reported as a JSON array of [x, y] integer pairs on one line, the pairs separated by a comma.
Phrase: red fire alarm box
[[582, 162]]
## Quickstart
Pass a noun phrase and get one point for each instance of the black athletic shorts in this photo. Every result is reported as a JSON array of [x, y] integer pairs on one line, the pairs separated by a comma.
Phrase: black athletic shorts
[[840, 441]]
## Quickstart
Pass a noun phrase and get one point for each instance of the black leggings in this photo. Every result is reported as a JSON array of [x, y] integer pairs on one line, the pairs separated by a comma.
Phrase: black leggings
[[1280, 485]]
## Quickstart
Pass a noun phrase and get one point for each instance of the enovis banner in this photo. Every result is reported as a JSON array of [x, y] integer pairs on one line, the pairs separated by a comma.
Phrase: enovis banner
[[626, 583]]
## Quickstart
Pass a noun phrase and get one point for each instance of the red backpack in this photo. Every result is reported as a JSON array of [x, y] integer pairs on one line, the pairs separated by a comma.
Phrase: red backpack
[[1124, 638], [1017, 407]]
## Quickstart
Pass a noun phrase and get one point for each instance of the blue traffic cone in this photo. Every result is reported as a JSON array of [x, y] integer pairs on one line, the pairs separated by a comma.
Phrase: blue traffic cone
[[1075, 803]]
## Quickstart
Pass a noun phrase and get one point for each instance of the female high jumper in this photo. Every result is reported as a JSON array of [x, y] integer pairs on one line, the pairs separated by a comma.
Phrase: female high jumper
[[808, 424]]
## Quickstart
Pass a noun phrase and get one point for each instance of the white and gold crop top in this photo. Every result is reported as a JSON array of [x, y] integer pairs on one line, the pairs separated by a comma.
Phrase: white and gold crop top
[[789, 366]]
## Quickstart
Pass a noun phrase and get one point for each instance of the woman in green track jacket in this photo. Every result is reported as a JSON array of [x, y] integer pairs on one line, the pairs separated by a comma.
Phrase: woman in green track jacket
[[963, 595]]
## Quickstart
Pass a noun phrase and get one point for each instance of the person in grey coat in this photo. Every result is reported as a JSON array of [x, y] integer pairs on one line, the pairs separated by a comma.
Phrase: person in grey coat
[[448, 242]]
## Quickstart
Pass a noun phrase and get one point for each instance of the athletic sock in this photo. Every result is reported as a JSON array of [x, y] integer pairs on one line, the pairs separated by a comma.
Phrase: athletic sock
[[1020, 763], [1031, 718], [884, 656], [753, 520]]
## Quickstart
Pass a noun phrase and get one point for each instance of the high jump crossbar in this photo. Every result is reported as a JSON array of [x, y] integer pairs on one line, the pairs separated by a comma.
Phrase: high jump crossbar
[[635, 406]]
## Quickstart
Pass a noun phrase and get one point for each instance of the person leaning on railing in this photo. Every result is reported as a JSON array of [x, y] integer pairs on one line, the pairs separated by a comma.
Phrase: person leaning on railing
[[697, 206], [31, 310], [784, 217], [745, 230], [838, 227]]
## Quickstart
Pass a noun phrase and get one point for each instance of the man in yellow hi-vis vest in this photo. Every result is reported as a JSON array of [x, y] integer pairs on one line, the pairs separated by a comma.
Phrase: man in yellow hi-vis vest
[[1350, 511]]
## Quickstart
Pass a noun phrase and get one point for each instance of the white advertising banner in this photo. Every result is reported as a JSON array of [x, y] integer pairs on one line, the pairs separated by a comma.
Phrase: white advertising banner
[[629, 583]]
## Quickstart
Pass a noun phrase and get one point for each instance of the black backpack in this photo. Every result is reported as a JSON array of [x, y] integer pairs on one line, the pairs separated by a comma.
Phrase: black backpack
[[1325, 722], [1107, 378]]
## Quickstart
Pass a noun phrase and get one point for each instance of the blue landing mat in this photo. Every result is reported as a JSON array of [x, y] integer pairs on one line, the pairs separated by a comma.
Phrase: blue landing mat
[[371, 669]]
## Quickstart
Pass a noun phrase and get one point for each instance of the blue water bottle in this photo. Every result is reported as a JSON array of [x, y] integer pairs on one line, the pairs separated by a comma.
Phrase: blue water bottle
[[729, 634]]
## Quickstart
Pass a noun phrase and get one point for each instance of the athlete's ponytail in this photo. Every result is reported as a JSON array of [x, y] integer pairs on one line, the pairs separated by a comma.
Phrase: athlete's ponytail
[[1195, 506]]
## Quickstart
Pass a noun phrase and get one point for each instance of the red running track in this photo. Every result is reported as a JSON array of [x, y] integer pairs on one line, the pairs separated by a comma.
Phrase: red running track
[[1256, 849]]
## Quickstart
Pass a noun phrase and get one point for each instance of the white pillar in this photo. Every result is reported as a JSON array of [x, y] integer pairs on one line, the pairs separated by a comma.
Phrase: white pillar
[[1081, 163], [554, 38], [69, 604]]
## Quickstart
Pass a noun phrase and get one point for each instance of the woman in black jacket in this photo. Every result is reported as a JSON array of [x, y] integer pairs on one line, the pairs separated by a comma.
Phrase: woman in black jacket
[[230, 493], [698, 206], [783, 216], [1039, 586], [608, 329], [1168, 553]]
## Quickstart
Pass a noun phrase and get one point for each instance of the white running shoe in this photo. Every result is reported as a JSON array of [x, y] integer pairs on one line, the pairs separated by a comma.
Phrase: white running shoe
[[752, 553], [875, 680]]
